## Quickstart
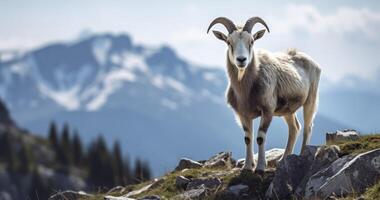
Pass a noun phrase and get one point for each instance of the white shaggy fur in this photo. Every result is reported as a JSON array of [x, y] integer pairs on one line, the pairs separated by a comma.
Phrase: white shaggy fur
[[266, 84]]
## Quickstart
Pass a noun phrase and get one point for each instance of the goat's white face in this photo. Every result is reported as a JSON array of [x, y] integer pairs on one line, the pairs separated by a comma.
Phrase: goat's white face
[[240, 48], [240, 41]]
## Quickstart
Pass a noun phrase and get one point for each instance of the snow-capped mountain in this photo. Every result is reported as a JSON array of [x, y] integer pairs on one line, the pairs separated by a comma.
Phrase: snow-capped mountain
[[157, 104]]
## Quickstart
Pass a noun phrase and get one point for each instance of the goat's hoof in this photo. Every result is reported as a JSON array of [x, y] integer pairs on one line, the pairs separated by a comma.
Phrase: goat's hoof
[[248, 167]]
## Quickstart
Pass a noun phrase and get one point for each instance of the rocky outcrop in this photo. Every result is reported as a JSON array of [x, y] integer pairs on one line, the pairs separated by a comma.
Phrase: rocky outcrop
[[344, 135], [186, 163], [70, 195], [320, 172], [346, 175], [271, 157]]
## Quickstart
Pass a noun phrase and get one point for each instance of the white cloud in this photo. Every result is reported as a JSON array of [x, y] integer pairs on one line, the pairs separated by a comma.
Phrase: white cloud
[[343, 20]]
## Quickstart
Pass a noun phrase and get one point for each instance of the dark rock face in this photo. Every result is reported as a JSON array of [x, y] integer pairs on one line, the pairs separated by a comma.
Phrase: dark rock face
[[319, 173], [186, 163], [181, 182], [293, 172], [289, 175], [151, 197], [345, 175]]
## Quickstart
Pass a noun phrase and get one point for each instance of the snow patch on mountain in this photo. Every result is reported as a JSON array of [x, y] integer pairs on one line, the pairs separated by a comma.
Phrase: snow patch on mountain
[[100, 48], [134, 61], [112, 82], [65, 98]]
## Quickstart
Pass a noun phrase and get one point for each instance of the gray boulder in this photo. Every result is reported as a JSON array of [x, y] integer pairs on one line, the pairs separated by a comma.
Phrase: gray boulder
[[271, 156], [209, 183], [199, 193], [238, 190], [181, 182], [186, 163], [70, 195], [290, 173], [151, 197], [345, 176], [222, 159], [342, 136], [321, 157]]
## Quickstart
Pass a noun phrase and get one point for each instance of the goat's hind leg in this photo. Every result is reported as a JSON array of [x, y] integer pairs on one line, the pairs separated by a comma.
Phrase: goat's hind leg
[[309, 110], [293, 128]]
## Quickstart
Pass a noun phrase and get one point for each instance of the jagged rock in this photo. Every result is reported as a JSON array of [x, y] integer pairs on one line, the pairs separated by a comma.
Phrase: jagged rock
[[222, 159], [290, 173], [150, 197], [342, 135], [238, 190], [141, 190], [327, 154], [199, 193], [346, 175], [72, 195], [323, 156], [181, 182], [118, 189], [271, 156], [5, 196], [209, 183], [186, 163], [108, 197]]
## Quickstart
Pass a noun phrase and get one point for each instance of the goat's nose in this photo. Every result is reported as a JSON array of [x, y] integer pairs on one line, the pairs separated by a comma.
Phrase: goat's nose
[[241, 59]]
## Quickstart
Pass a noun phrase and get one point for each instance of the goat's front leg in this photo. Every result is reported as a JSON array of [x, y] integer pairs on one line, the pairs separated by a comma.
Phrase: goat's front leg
[[266, 118], [246, 123]]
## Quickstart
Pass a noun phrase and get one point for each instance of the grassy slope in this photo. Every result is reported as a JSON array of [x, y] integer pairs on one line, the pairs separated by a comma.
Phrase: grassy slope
[[167, 189]]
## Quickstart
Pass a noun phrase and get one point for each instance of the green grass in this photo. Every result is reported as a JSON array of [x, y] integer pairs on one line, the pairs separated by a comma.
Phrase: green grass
[[363, 144], [257, 184]]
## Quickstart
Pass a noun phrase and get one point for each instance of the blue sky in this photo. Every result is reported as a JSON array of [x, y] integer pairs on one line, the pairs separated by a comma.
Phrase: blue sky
[[342, 36]]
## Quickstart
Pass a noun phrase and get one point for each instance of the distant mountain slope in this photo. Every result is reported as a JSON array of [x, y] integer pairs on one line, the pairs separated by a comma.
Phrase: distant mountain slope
[[157, 104]]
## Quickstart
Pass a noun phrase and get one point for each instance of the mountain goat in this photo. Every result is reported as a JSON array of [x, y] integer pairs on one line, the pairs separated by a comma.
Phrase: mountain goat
[[264, 84]]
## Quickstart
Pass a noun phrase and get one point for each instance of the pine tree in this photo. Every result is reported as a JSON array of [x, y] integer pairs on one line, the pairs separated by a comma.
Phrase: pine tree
[[138, 171], [77, 149], [10, 153], [100, 164], [128, 178], [25, 160], [118, 165], [53, 134], [146, 172], [65, 146]]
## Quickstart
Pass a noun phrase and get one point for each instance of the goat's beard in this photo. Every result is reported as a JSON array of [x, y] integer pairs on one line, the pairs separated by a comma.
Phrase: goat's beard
[[241, 72]]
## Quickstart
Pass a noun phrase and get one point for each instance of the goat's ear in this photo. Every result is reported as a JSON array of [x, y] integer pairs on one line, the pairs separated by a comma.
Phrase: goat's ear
[[258, 34], [220, 36]]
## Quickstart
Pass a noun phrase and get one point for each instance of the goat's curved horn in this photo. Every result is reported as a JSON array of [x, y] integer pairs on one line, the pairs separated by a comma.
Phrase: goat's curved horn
[[252, 21], [230, 26]]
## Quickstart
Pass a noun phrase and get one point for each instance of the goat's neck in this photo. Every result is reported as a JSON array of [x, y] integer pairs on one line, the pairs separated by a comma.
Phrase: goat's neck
[[243, 87]]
